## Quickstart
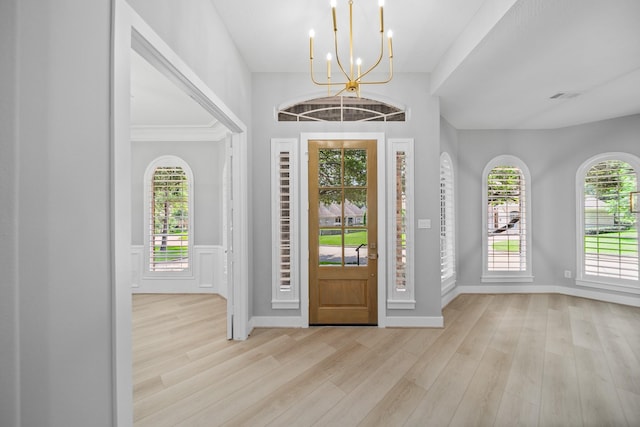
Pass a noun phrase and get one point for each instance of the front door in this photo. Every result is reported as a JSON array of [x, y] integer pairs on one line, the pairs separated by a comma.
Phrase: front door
[[343, 255]]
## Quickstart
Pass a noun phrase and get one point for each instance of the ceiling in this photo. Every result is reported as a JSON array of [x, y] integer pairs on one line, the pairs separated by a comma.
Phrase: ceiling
[[494, 63]]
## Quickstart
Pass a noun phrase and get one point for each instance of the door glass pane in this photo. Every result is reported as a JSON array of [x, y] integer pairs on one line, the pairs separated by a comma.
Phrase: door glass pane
[[355, 247], [330, 208], [329, 170], [330, 247], [355, 207], [355, 168]]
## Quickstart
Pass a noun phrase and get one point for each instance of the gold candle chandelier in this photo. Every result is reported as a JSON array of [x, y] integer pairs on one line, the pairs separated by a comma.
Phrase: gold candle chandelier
[[354, 78]]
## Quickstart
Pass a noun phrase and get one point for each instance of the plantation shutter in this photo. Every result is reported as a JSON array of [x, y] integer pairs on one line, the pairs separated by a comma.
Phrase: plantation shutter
[[284, 222], [401, 282], [169, 220], [400, 221], [284, 176], [447, 220], [507, 220], [610, 228]]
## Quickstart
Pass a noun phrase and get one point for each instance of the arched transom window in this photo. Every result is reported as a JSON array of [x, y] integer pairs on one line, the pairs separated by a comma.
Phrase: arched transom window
[[341, 109]]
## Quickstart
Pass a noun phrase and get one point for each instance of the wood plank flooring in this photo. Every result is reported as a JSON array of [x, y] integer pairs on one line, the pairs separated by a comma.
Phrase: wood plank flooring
[[500, 360]]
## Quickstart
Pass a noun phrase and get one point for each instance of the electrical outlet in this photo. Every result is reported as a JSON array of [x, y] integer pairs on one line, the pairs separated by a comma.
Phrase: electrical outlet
[[567, 274], [424, 223]]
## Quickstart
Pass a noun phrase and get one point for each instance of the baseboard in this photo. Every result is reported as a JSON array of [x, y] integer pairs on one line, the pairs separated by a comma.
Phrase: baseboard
[[414, 322], [275, 322], [545, 289]]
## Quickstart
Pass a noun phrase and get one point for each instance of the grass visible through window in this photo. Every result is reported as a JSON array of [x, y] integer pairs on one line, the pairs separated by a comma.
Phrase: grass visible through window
[[624, 243], [350, 239]]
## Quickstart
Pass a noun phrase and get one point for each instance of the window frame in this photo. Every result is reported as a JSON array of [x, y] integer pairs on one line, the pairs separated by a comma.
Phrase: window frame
[[593, 281], [507, 276], [447, 223], [403, 299], [167, 161], [283, 297]]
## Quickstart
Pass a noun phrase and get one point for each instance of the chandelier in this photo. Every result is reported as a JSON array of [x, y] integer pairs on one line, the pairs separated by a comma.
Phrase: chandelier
[[354, 78]]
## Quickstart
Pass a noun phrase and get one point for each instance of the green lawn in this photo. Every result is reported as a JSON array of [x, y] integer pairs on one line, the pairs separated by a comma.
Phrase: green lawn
[[171, 253], [350, 239], [622, 243], [507, 246]]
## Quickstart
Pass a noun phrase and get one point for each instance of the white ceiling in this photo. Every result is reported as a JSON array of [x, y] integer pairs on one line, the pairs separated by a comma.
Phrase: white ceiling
[[495, 63]]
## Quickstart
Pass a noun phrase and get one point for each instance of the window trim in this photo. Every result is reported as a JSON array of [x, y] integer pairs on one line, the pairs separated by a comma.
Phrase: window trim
[[449, 225], [591, 281], [281, 297], [506, 276], [167, 161], [401, 299]]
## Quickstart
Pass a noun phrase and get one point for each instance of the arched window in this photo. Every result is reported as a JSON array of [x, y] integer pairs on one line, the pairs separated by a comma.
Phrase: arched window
[[341, 109], [447, 223], [607, 224], [506, 207], [168, 216]]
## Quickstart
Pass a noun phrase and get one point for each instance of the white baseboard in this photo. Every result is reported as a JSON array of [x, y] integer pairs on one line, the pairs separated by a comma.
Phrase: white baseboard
[[390, 322], [275, 322], [631, 300], [414, 322]]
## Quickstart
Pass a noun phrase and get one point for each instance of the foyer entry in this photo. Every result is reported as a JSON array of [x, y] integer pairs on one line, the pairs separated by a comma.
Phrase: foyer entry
[[343, 241]]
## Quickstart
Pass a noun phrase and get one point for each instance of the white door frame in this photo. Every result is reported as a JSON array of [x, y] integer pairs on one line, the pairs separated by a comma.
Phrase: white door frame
[[130, 31], [304, 218]]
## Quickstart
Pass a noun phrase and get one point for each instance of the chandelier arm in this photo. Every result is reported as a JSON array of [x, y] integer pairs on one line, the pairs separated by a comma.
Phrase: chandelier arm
[[335, 41], [350, 40], [378, 61], [313, 79], [342, 90], [381, 82]]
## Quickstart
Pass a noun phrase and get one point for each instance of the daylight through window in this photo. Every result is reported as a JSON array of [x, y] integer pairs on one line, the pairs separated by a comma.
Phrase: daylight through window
[[169, 220], [610, 228]]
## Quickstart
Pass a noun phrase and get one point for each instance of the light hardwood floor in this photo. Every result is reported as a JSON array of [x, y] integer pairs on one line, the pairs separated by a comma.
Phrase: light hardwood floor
[[503, 360]]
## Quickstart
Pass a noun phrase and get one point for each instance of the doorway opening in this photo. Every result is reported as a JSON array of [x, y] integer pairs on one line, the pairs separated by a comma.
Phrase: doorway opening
[[130, 34], [336, 234], [343, 256]]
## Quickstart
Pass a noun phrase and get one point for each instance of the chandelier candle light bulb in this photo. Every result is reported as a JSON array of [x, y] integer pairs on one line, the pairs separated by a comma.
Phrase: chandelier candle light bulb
[[353, 82]]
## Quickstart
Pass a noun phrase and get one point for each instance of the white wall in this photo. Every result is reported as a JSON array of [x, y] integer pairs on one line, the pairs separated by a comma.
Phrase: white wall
[[63, 239], [272, 89], [206, 160], [56, 197], [9, 378], [553, 157], [194, 30]]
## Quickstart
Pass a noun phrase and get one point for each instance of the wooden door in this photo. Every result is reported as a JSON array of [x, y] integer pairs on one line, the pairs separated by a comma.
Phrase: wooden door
[[343, 256]]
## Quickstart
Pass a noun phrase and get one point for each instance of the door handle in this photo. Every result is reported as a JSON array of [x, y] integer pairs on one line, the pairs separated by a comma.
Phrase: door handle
[[372, 256]]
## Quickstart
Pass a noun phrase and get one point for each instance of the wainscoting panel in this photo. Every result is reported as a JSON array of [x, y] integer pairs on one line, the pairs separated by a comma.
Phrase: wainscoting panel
[[208, 273]]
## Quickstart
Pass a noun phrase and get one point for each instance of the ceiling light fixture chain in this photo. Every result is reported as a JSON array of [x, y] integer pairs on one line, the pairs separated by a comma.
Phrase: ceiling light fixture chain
[[353, 80]]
